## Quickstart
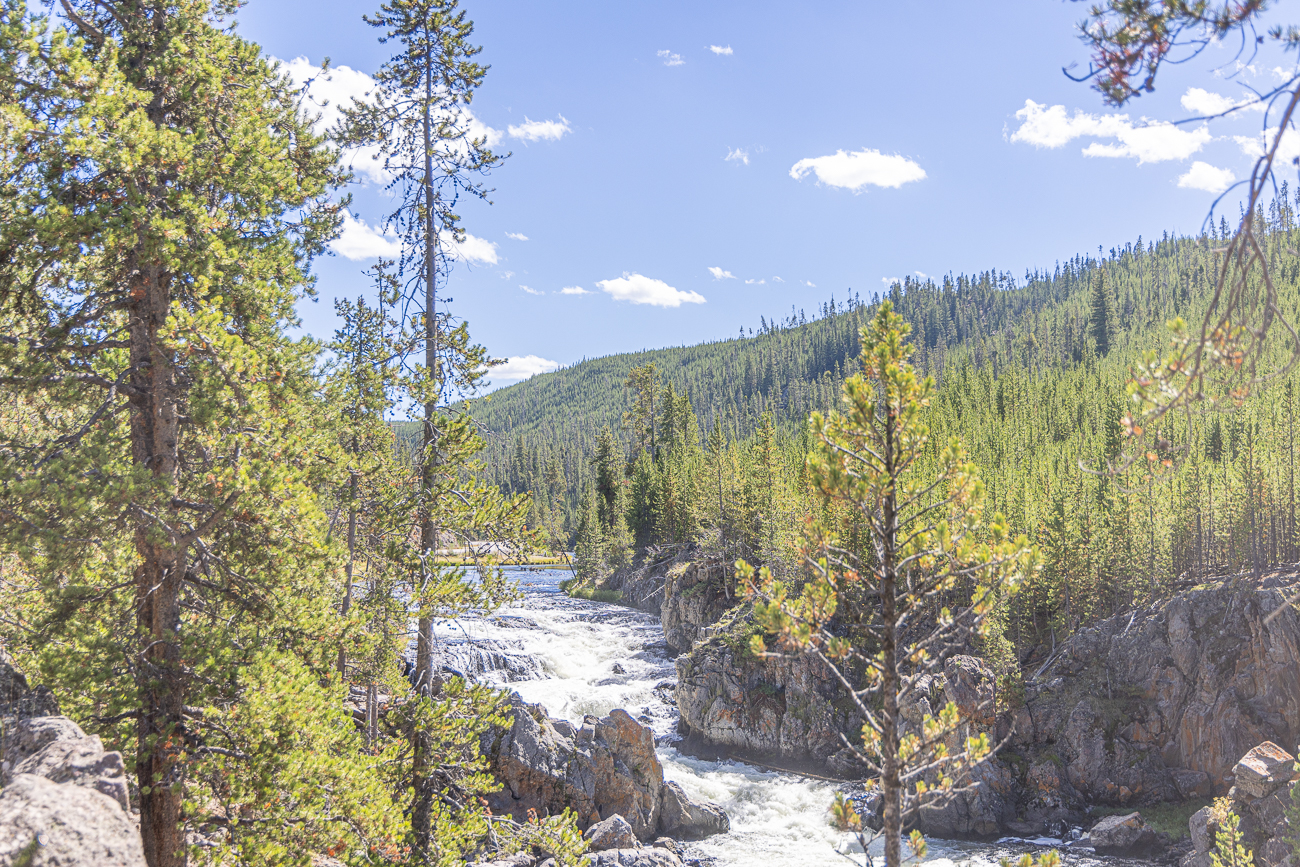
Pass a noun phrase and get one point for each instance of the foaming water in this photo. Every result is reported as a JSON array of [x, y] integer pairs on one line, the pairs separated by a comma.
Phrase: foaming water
[[596, 657]]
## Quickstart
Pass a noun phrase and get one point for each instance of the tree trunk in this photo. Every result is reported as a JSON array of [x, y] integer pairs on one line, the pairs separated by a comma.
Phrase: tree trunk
[[421, 811], [160, 683], [353, 486], [891, 787]]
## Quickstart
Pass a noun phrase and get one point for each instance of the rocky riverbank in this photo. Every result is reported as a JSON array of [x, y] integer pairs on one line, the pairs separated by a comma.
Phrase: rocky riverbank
[[1154, 706]]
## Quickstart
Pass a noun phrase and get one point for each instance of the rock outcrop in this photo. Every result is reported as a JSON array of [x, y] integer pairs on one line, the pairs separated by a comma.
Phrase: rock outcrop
[[605, 767], [64, 801], [786, 707], [696, 594], [1157, 705], [1265, 786]]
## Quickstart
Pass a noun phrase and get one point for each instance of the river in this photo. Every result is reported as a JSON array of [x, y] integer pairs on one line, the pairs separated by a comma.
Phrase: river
[[578, 657]]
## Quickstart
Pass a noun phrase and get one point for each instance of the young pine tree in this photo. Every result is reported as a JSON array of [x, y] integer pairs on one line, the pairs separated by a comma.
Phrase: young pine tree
[[933, 574]]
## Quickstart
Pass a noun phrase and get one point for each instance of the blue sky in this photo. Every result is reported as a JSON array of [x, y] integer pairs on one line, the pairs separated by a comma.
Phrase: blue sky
[[685, 168]]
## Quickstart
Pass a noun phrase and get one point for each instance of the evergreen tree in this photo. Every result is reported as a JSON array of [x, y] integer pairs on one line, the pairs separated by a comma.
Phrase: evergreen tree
[[163, 200], [1101, 313], [927, 541]]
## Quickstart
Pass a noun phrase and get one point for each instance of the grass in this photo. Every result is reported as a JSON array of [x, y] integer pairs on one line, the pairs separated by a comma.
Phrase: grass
[[581, 590], [1168, 818]]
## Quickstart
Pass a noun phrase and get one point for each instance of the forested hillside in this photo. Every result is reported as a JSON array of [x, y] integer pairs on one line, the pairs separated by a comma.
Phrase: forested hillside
[[1031, 377]]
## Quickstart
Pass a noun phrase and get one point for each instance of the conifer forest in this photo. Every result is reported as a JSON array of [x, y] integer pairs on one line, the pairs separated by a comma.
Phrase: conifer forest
[[309, 556]]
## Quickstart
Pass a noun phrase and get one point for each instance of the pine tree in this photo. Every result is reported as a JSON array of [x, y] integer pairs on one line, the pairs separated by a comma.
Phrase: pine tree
[[928, 540], [1101, 316], [164, 198]]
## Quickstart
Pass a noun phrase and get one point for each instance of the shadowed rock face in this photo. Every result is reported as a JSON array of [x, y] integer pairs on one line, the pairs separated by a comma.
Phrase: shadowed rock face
[[1159, 704], [1264, 787], [604, 767]]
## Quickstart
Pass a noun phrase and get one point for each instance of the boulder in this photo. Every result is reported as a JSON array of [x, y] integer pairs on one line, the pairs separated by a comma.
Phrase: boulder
[[17, 699], [968, 683], [56, 748], [1263, 770], [1201, 828], [1124, 835], [611, 833], [605, 766], [684, 819], [650, 856], [47, 824]]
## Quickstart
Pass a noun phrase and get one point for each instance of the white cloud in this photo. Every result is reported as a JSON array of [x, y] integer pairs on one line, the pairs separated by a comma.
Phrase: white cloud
[[670, 59], [536, 130], [638, 289], [860, 168], [361, 241], [755, 282], [517, 236], [809, 284], [719, 274], [1204, 102], [1256, 145], [506, 275], [720, 49], [777, 280], [472, 249], [522, 367], [574, 290], [330, 93], [531, 291], [1155, 141], [739, 155], [890, 281], [1282, 74], [1203, 176], [922, 275]]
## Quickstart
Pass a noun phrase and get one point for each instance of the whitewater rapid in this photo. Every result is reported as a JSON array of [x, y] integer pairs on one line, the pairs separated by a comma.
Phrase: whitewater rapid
[[577, 657]]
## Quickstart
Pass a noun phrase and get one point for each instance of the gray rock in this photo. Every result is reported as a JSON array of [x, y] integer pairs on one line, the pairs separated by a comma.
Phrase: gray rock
[[45, 824], [611, 833], [648, 857], [1124, 835], [1196, 859], [56, 748], [1263, 770], [519, 859], [608, 766], [1274, 852], [1200, 830], [685, 819], [17, 699]]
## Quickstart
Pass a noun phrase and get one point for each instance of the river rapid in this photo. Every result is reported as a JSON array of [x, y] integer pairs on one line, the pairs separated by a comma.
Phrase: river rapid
[[576, 657]]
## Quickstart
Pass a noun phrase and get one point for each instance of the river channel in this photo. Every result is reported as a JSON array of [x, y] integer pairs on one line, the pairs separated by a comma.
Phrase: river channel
[[576, 657]]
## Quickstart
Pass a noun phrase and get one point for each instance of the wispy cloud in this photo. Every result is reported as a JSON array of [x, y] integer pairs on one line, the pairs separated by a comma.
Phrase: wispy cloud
[[810, 284], [859, 169], [890, 281], [531, 291], [1151, 142], [719, 274], [517, 236], [638, 289], [1256, 145], [777, 280], [670, 59], [1200, 101], [574, 290], [538, 130], [721, 49], [1203, 176], [755, 282], [522, 367], [739, 155]]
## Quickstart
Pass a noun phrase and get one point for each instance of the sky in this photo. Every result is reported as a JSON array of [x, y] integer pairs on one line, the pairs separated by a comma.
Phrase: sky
[[678, 170]]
